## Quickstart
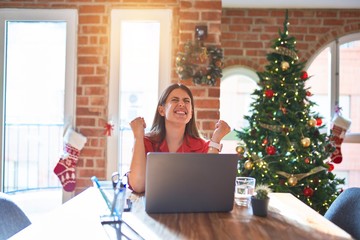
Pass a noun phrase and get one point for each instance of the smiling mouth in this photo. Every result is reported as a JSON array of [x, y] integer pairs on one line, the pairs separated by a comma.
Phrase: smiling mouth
[[181, 112]]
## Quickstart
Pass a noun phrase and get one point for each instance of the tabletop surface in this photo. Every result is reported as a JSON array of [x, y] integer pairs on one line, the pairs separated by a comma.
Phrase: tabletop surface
[[288, 218]]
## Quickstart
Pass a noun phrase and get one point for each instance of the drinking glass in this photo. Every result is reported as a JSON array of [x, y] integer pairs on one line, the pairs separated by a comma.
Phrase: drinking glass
[[244, 189]]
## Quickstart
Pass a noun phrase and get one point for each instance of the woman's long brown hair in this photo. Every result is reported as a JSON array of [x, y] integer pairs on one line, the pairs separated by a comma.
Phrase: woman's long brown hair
[[158, 132]]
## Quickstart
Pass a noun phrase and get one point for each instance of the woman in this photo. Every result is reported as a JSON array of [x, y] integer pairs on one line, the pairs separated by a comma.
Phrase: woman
[[173, 130]]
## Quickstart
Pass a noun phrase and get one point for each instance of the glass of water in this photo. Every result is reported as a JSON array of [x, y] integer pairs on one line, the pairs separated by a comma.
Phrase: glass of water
[[244, 189]]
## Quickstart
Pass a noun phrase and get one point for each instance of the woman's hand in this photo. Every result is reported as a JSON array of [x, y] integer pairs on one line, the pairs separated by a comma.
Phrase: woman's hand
[[221, 129], [138, 126]]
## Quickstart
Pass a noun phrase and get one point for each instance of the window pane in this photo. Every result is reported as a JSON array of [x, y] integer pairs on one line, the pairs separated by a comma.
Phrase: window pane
[[349, 102], [349, 78], [139, 79], [319, 85], [34, 115], [235, 100], [235, 91]]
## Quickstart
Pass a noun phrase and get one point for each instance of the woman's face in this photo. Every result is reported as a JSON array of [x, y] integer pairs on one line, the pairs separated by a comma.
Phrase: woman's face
[[177, 108]]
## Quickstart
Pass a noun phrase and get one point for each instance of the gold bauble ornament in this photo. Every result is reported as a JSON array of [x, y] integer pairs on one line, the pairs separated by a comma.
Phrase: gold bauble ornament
[[312, 122], [305, 142], [285, 65], [240, 149], [248, 165], [292, 181]]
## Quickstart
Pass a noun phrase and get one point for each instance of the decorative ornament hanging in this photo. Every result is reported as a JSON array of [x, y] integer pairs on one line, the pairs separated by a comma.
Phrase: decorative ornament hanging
[[248, 165], [240, 149], [330, 167], [308, 94], [304, 76], [274, 128], [270, 150], [285, 65], [202, 64], [318, 122], [269, 93], [338, 110], [312, 122], [109, 127], [286, 52], [308, 192], [305, 142], [307, 160], [292, 181], [299, 176]]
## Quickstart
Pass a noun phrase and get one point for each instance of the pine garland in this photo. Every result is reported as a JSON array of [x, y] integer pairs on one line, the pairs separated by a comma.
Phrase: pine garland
[[202, 64]]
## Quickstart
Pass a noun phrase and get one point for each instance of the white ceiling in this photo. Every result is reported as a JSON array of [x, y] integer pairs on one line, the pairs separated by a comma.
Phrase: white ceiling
[[351, 4]]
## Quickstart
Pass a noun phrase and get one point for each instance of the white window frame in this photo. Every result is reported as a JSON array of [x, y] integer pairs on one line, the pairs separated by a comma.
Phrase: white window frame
[[71, 17], [230, 141], [164, 16], [334, 77]]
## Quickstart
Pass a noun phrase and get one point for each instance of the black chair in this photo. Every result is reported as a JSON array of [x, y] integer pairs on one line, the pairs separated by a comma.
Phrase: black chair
[[12, 218], [345, 211]]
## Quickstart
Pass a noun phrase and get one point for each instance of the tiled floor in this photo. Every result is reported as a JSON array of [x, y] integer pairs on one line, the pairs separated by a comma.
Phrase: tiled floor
[[37, 203]]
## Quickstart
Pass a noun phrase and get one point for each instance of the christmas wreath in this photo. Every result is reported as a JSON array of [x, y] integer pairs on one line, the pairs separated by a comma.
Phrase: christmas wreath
[[202, 64]]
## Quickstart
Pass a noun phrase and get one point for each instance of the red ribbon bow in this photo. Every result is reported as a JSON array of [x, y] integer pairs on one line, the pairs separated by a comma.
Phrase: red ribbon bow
[[108, 128]]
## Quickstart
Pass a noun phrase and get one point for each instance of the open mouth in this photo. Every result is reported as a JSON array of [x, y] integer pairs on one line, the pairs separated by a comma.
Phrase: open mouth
[[181, 112]]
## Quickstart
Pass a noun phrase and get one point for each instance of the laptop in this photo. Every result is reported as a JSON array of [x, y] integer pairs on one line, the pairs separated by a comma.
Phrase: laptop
[[190, 182]]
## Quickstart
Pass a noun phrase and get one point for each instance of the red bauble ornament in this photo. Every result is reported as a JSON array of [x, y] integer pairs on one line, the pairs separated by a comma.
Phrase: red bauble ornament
[[318, 122], [270, 150], [269, 93], [308, 192], [308, 93], [307, 160], [330, 167], [304, 75]]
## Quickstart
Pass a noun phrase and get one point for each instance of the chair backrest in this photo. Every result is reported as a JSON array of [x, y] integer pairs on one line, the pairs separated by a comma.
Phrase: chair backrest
[[345, 211], [12, 218]]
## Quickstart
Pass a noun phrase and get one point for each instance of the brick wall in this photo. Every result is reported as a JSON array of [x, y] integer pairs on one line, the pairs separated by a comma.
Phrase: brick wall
[[244, 34], [191, 14], [93, 66]]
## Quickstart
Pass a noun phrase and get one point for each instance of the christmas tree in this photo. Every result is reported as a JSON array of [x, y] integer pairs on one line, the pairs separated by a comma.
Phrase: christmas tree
[[283, 146]]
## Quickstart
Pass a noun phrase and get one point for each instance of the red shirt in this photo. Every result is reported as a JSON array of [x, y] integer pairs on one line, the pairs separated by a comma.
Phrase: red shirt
[[190, 144]]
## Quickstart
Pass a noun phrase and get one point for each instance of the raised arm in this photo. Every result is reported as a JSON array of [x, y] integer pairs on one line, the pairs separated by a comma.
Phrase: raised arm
[[136, 175], [221, 129]]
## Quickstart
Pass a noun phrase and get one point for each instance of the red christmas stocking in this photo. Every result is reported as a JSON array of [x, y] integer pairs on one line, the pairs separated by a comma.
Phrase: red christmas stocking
[[65, 168], [338, 130]]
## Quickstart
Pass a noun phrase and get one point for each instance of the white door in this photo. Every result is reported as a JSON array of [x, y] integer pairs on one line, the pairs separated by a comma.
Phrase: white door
[[37, 62], [140, 68]]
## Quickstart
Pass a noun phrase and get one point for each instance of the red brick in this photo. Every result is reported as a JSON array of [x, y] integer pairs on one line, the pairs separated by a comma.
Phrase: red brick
[[85, 121], [92, 9], [189, 15], [207, 114], [93, 80], [207, 4], [89, 19]]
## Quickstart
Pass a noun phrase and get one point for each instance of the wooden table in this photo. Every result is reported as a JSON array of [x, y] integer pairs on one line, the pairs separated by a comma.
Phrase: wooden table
[[288, 218]]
